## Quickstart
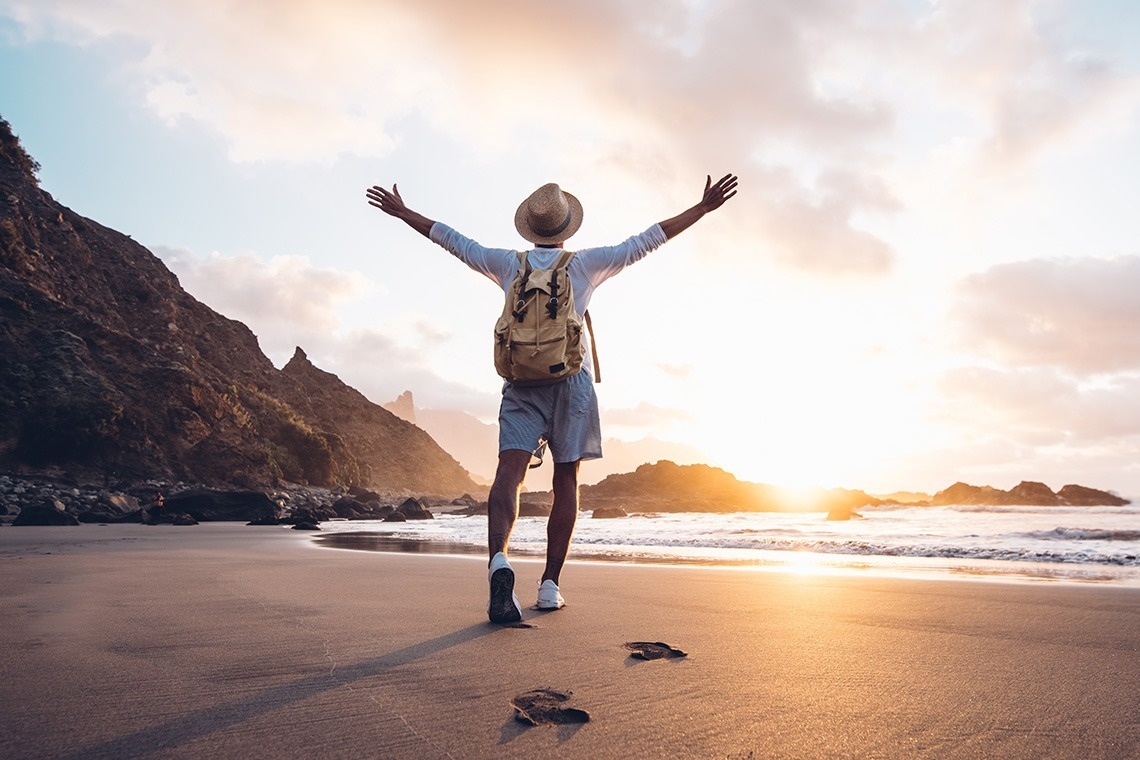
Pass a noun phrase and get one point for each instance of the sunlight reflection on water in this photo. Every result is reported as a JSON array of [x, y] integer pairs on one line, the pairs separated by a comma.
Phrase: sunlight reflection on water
[[383, 538]]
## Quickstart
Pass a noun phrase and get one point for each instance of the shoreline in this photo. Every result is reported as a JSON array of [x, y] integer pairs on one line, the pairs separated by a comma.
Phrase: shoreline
[[793, 562], [239, 642], [103, 537]]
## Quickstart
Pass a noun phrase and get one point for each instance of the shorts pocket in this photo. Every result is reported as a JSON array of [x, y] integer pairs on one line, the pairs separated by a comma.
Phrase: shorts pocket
[[583, 400]]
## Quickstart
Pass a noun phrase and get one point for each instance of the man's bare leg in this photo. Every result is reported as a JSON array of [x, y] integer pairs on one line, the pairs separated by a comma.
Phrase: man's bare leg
[[563, 515], [503, 500]]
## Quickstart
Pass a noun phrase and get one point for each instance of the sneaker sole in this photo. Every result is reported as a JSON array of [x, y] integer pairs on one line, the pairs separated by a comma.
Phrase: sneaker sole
[[503, 608]]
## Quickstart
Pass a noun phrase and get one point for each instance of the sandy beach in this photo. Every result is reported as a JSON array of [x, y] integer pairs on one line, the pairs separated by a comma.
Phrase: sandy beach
[[225, 641]]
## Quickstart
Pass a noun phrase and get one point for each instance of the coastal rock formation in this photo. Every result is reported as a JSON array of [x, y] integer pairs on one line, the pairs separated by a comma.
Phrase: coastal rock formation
[[363, 494], [1026, 493], [112, 508], [114, 504], [842, 513], [108, 368], [207, 505], [166, 517], [1082, 496], [966, 494], [52, 513], [669, 487], [413, 509], [608, 513], [348, 508], [1030, 492]]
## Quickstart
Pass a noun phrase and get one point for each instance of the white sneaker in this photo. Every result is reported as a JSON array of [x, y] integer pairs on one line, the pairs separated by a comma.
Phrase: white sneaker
[[548, 596], [504, 606]]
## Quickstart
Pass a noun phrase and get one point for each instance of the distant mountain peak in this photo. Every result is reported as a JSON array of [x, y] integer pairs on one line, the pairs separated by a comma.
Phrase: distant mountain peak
[[403, 407]]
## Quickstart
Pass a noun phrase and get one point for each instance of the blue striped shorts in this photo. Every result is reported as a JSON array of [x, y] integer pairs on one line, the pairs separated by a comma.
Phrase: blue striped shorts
[[563, 416]]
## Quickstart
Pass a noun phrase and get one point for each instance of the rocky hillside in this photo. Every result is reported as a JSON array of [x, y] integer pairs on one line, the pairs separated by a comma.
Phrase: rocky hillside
[[108, 368], [387, 448]]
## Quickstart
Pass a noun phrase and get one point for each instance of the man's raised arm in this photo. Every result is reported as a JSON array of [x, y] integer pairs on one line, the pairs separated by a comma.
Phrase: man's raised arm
[[714, 198], [390, 202]]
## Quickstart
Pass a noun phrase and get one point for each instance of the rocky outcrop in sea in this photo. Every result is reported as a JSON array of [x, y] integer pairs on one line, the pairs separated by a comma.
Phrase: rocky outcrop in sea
[[1027, 493]]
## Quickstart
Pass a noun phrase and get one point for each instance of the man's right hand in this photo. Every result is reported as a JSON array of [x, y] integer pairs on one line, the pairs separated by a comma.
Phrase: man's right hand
[[713, 198], [716, 195]]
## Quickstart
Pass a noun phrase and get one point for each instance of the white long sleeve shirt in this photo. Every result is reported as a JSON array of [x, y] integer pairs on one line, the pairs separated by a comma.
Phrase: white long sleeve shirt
[[589, 268]]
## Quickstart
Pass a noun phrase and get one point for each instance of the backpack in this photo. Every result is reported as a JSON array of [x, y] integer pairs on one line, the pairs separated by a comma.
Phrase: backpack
[[538, 338]]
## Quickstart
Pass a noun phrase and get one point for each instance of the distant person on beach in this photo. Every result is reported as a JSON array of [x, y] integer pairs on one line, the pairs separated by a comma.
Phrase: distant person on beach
[[562, 416]]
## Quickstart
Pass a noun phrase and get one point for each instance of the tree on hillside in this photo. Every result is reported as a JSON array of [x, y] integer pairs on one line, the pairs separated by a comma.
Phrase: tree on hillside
[[11, 148]]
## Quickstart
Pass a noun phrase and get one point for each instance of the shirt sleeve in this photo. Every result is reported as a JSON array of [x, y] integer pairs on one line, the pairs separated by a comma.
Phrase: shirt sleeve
[[600, 264], [499, 264]]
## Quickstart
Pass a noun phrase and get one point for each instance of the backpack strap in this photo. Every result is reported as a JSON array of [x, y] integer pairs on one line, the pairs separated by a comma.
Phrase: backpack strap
[[564, 261], [593, 348], [519, 310]]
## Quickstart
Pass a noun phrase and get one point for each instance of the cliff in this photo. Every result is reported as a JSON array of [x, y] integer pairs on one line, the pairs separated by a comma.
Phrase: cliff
[[108, 368]]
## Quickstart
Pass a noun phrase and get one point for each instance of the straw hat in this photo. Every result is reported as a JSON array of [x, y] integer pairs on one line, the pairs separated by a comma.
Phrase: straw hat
[[549, 215]]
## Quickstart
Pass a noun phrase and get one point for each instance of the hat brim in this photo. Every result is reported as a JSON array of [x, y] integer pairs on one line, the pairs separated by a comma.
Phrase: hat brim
[[529, 234]]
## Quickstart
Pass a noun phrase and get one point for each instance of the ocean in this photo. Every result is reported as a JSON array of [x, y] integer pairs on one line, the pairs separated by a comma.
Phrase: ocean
[[1043, 544]]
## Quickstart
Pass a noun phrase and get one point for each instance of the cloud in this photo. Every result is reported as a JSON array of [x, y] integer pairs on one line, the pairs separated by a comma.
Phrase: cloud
[[382, 368], [660, 92], [1041, 406], [689, 86], [645, 415], [430, 333], [1079, 314], [287, 292], [818, 234], [678, 371], [1015, 66]]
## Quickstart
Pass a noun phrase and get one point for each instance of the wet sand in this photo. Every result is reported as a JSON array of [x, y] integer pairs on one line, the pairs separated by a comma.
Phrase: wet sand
[[231, 641]]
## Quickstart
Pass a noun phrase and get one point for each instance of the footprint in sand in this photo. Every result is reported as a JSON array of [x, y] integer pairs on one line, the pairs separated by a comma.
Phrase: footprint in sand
[[653, 650], [544, 707]]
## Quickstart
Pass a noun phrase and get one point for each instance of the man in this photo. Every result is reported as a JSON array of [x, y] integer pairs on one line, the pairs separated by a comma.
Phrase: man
[[562, 416]]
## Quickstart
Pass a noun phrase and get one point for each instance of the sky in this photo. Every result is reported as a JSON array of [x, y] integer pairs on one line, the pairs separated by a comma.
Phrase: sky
[[929, 275]]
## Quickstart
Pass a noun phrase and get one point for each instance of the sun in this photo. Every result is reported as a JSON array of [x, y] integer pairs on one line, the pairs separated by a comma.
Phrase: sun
[[806, 438]]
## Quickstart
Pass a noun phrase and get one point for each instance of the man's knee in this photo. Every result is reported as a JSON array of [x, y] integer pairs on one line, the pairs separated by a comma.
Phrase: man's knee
[[566, 478], [511, 470]]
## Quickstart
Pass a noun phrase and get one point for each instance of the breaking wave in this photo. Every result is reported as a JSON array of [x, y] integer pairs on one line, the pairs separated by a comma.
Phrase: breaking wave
[[1084, 534], [884, 549]]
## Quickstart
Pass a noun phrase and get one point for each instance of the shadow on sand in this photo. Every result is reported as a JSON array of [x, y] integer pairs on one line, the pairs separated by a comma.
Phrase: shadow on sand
[[182, 730]]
